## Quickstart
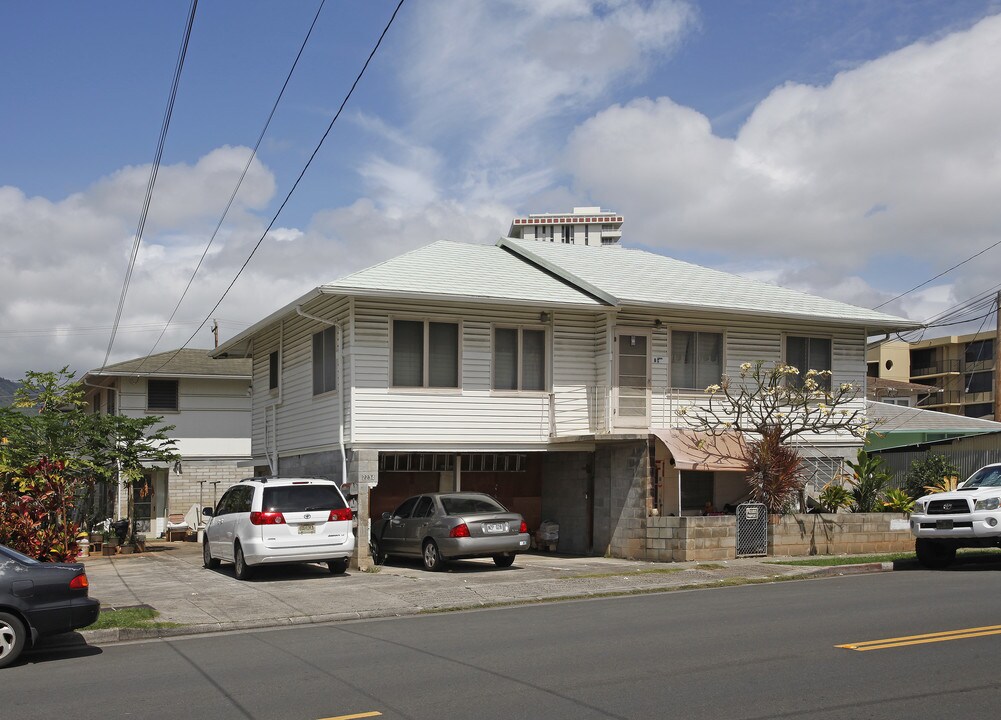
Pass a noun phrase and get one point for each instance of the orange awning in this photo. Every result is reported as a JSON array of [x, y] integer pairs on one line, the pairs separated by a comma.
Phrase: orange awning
[[694, 450]]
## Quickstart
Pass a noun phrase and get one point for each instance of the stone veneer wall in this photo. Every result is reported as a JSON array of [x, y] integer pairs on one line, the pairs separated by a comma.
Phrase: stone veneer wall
[[838, 533]]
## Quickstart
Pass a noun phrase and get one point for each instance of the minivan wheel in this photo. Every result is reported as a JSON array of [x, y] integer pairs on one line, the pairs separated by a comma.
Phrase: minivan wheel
[[12, 638], [240, 567], [432, 557], [337, 567], [934, 555], [207, 560]]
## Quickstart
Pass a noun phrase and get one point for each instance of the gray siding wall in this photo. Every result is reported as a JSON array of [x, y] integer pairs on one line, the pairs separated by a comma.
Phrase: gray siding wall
[[208, 408]]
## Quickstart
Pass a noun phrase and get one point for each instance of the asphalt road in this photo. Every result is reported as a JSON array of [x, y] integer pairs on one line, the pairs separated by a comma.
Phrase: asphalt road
[[763, 651]]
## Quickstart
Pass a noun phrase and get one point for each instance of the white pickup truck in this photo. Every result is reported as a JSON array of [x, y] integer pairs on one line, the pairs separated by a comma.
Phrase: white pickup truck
[[969, 516]]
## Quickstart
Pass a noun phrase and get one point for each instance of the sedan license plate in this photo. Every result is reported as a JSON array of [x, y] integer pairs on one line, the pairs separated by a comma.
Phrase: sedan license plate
[[307, 529], [495, 527], [943, 524]]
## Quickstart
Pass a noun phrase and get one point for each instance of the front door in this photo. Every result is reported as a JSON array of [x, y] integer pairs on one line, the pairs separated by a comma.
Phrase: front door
[[632, 378]]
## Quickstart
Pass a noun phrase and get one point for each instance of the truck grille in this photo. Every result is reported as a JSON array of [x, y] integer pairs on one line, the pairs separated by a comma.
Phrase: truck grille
[[948, 507]]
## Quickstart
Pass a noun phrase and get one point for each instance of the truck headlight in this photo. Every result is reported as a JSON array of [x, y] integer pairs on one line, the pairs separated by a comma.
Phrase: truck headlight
[[991, 503], [919, 507]]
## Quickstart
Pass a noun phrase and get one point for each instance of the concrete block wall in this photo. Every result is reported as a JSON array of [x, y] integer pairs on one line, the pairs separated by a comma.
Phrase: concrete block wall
[[564, 497], [184, 489], [622, 492], [683, 539], [838, 533]]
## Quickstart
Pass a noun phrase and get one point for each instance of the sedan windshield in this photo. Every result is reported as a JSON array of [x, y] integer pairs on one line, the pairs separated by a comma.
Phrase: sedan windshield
[[466, 504], [989, 476]]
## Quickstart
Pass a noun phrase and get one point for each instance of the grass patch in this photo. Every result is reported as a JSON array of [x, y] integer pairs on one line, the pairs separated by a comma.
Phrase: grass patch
[[831, 560], [709, 566], [651, 571], [130, 617]]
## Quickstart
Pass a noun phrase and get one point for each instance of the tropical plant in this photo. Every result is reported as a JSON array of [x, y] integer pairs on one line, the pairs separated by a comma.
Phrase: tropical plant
[[774, 403], [53, 452], [944, 484], [869, 480], [898, 500], [834, 496], [928, 471]]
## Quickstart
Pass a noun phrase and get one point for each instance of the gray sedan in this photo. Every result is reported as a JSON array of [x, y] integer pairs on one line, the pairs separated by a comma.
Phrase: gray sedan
[[439, 527]]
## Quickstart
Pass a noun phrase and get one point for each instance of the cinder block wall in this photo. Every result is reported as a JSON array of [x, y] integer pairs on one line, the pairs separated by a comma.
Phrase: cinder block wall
[[621, 481], [682, 539], [564, 497], [184, 490], [838, 533]]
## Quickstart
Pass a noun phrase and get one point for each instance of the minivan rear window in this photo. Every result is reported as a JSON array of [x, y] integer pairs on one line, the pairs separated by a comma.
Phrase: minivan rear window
[[297, 498]]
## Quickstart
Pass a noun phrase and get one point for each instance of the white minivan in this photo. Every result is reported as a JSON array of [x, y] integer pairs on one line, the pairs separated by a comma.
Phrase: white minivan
[[265, 520]]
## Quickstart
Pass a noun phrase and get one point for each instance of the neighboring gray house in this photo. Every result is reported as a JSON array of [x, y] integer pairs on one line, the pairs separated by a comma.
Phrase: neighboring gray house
[[547, 374], [208, 401]]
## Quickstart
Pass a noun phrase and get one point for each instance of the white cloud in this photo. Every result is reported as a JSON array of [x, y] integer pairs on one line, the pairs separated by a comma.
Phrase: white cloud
[[898, 157]]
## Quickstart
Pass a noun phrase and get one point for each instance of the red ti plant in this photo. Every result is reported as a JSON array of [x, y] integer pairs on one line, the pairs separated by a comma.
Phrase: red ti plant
[[38, 523]]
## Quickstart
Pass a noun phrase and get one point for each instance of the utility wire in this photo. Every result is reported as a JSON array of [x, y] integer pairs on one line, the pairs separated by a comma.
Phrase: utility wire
[[944, 272], [295, 185], [144, 213], [239, 183]]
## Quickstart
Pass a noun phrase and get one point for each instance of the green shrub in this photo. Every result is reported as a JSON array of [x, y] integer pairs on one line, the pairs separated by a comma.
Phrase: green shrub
[[928, 472], [869, 480], [834, 496], [898, 500]]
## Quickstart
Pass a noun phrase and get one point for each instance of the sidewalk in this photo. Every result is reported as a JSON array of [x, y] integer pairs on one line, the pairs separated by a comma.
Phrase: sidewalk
[[170, 578]]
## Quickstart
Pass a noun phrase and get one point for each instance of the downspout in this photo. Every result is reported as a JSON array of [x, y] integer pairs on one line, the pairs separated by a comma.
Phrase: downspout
[[272, 407], [341, 389]]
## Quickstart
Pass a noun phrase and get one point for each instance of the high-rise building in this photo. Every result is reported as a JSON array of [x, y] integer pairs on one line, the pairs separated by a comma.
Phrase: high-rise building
[[583, 226]]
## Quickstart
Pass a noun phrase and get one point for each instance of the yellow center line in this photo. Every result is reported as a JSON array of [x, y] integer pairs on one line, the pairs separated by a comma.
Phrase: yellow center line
[[355, 716], [922, 639]]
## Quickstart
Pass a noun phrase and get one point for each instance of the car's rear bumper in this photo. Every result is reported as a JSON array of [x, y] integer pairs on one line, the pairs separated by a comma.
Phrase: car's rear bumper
[[257, 553], [458, 548], [64, 617]]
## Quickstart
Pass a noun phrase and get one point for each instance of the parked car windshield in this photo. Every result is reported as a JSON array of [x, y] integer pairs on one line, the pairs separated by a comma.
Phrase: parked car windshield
[[985, 477], [296, 498], [465, 504], [15, 555]]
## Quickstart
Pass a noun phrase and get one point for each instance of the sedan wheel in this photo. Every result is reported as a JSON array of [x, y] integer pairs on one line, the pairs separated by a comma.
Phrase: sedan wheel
[[505, 560], [378, 556], [432, 557], [243, 571], [207, 560], [12, 636]]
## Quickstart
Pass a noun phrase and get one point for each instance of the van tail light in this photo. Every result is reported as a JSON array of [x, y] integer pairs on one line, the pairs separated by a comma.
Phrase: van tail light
[[342, 514], [524, 527], [80, 582], [267, 518], [459, 531]]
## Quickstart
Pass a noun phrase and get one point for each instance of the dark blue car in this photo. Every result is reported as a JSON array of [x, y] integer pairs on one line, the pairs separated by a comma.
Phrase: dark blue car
[[39, 599]]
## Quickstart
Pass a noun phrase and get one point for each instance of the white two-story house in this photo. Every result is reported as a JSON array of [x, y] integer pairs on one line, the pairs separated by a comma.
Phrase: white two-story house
[[549, 374], [208, 403]]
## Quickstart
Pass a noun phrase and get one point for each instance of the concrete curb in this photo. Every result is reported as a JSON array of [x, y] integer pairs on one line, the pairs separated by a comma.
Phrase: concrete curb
[[112, 636]]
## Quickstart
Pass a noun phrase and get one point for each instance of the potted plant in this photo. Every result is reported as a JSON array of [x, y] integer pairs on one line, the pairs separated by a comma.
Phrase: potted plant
[[109, 543], [139, 542], [128, 546]]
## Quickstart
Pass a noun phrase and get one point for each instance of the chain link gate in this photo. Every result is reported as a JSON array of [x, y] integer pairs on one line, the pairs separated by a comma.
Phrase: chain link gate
[[752, 529]]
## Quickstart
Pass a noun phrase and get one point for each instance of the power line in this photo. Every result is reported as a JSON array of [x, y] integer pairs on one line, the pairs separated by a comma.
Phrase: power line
[[295, 185], [102, 329], [239, 183], [152, 177], [944, 272]]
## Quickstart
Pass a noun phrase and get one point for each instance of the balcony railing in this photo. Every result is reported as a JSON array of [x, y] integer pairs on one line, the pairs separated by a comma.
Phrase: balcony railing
[[939, 367]]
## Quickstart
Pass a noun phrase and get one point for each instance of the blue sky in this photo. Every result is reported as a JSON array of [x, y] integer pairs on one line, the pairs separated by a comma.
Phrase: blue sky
[[844, 148]]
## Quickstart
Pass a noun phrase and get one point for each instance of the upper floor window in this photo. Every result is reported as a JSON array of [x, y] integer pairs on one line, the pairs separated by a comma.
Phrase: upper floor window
[[979, 351], [110, 402], [161, 395], [425, 354], [809, 353], [567, 232], [696, 359], [519, 359], [273, 370], [324, 361]]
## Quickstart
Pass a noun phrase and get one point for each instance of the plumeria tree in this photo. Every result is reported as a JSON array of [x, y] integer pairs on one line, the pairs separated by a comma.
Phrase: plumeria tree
[[771, 404], [53, 452]]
